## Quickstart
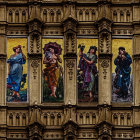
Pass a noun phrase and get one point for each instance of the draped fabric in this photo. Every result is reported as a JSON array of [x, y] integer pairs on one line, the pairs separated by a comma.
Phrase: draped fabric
[[16, 69], [123, 71], [89, 71], [51, 73]]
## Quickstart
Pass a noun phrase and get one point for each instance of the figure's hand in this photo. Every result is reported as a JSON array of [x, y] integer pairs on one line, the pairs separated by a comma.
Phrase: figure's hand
[[123, 57]]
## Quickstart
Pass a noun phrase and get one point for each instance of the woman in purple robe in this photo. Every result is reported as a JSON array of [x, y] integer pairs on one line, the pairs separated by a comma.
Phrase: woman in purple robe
[[87, 64]]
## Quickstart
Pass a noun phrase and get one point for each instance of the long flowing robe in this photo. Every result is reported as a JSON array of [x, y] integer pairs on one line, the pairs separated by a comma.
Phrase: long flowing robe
[[89, 71], [51, 73], [123, 71], [16, 69]]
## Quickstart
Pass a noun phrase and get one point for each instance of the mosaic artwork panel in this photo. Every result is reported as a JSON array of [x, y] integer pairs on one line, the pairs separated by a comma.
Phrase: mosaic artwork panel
[[87, 73], [52, 70], [16, 70], [122, 68]]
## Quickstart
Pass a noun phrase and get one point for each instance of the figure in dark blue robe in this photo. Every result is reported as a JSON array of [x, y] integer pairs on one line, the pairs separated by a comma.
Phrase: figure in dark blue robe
[[123, 71]]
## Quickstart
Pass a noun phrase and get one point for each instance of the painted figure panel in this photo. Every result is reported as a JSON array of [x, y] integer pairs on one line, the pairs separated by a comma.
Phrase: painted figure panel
[[122, 70], [87, 74], [52, 70], [16, 70]]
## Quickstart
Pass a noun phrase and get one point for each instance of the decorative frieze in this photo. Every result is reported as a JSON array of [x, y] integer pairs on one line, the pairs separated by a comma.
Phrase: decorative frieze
[[87, 117], [85, 14], [121, 14], [17, 14], [51, 14], [122, 118], [17, 118]]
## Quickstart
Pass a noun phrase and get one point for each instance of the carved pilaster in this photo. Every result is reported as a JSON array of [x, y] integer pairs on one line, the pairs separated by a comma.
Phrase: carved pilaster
[[136, 64], [70, 49], [105, 79], [70, 66], [35, 79], [35, 51], [105, 51], [3, 54]]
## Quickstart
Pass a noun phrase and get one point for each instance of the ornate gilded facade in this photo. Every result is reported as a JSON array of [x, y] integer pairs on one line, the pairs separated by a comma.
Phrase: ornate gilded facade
[[70, 19]]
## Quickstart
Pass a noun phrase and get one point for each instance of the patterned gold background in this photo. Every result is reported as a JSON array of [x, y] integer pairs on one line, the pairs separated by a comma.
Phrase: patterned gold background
[[13, 42], [116, 43]]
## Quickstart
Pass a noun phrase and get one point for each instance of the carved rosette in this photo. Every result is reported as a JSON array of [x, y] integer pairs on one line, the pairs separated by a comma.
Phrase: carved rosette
[[70, 65], [105, 64], [35, 65]]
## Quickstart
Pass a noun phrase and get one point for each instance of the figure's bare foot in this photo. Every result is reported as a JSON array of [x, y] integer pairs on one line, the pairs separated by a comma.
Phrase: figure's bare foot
[[53, 95], [13, 93]]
